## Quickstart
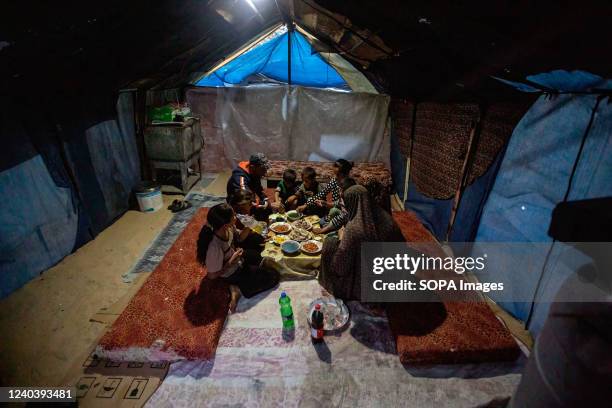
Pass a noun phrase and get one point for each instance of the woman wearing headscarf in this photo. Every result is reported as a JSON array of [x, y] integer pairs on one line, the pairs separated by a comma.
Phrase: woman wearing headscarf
[[341, 257]]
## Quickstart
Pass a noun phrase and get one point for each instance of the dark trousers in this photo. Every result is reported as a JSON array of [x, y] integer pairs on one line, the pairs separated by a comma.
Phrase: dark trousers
[[251, 278]]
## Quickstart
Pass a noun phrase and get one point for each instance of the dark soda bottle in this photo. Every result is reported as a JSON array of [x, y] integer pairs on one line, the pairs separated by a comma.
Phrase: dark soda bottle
[[316, 324]]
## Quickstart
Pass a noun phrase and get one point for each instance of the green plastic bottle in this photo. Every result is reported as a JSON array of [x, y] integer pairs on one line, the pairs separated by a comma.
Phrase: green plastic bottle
[[286, 311]]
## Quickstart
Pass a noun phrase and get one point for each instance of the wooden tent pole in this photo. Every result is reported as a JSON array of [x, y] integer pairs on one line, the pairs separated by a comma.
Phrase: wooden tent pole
[[409, 158], [467, 162]]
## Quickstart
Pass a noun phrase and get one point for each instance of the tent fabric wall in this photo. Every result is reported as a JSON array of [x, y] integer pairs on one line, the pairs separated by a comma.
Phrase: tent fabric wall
[[435, 213], [429, 196], [33, 240], [290, 123], [104, 162], [114, 156], [533, 178], [441, 136], [51, 213], [353, 77]]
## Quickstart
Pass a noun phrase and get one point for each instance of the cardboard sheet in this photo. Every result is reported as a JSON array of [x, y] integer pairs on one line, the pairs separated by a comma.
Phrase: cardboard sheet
[[104, 383]]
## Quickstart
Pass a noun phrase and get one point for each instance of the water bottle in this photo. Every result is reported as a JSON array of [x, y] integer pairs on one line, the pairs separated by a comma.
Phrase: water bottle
[[286, 311], [316, 324]]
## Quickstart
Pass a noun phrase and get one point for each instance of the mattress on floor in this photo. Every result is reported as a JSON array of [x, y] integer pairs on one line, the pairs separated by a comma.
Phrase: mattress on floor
[[445, 332], [176, 314]]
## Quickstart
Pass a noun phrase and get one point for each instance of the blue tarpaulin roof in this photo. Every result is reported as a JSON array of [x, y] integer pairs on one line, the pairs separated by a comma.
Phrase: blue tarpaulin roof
[[270, 59]]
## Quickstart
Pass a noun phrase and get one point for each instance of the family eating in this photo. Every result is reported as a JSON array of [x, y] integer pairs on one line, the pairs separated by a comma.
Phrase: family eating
[[232, 251]]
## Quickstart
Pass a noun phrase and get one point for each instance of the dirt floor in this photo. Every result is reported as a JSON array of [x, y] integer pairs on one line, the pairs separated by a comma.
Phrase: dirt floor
[[45, 325]]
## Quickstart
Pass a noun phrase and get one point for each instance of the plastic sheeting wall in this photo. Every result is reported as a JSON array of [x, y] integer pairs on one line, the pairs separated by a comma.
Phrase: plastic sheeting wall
[[47, 216], [290, 123], [534, 177]]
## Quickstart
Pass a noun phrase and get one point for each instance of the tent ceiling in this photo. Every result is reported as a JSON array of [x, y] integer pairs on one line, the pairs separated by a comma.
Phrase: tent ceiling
[[419, 48], [270, 59]]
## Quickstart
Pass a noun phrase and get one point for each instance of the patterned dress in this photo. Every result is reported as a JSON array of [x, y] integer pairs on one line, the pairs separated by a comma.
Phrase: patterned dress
[[340, 259]]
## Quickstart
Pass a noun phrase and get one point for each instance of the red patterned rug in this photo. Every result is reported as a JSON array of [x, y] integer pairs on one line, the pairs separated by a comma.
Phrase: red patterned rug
[[176, 314], [445, 332]]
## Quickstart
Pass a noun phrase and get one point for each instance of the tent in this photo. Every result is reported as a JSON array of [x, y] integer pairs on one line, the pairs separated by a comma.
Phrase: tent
[[491, 116], [73, 164]]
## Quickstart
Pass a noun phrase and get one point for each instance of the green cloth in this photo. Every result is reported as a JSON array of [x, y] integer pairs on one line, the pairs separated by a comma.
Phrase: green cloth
[[285, 192]]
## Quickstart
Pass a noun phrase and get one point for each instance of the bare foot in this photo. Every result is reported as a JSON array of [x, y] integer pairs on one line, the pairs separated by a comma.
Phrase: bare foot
[[234, 296]]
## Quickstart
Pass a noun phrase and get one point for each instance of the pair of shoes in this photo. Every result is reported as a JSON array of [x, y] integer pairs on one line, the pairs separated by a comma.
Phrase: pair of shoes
[[178, 205]]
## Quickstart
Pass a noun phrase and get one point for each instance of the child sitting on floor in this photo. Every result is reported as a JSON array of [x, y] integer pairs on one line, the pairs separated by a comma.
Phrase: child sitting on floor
[[338, 216], [240, 268], [242, 203], [284, 195], [308, 189]]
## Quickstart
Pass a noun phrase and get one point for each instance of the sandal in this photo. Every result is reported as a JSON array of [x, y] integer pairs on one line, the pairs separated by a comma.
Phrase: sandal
[[178, 206]]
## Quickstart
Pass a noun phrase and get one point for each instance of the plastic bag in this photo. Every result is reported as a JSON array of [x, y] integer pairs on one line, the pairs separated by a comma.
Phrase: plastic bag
[[247, 220]]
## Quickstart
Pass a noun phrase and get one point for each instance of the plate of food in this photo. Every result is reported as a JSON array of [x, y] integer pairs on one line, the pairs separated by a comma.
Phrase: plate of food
[[290, 247], [280, 227], [312, 219], [311, 247], [300, 234], [293, 215], [303, 224], [279, 239]]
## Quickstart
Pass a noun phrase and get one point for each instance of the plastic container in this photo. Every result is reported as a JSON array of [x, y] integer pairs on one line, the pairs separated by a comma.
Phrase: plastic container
[[286, 311], [162, 113], [316, 325], [149, 197], [336, 314]]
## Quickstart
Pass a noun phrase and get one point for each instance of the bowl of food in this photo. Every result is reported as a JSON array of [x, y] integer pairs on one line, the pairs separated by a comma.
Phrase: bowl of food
[[272, 218], [293, 215], [311, 247], [290, 247], [280, 227], [279, 239], [300, 234], [302, 224]]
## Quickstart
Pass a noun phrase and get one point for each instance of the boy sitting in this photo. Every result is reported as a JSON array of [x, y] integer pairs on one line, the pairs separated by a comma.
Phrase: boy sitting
[[309, 188], [285, 193]]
